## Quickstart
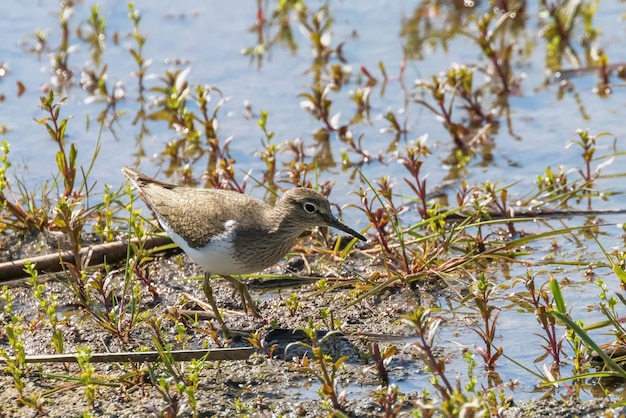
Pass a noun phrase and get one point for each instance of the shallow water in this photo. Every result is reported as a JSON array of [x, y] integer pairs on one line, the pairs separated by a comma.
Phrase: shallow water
[[209, 39]]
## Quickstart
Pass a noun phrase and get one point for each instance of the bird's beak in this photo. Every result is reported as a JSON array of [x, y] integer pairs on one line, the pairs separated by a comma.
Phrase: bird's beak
[[336, 224]]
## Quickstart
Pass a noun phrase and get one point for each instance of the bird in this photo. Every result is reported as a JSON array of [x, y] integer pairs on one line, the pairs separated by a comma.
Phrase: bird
[[229, 233]]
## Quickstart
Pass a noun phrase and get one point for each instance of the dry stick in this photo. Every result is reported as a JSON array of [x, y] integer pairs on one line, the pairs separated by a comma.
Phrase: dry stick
[[215, 354], [517, 212], [111, 252]]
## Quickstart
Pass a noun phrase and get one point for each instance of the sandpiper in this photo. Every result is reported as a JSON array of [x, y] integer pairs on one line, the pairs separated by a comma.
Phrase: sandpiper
[[228, 233]]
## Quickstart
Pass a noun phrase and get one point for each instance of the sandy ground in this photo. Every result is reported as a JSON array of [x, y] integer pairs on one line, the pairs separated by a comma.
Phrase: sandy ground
[[269, 383]]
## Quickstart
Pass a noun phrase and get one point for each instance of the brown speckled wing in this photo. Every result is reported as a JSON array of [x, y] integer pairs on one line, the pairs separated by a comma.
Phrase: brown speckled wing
[[198, 215]]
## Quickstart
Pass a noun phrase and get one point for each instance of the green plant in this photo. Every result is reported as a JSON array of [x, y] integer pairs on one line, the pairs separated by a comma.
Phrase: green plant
[[240, 406], [317, 104], [274, 28], [66, 158], [426, 326], [140, 40], [438, 88], [64, 75], [292, 303], [115, 305], [455, 399], [324, 368], [95, 34], [381, 360], [83, 355], [105, 219], [587, 144], [143, 64], [482, 293], [388, 399], [608, 358], [560, 30], [180, 381], [269, 152], [498, 48], [14, 332], [543, 303], [16, 361], [18, 217], [47, 306]]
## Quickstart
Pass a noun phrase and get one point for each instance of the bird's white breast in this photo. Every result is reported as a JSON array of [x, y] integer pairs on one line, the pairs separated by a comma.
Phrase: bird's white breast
[[218, 256]]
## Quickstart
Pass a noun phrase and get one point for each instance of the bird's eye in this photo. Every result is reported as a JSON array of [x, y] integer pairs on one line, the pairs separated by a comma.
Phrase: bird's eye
[[309, 207]]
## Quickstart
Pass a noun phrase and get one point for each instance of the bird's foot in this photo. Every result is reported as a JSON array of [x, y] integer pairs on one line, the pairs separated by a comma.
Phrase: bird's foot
[[246, 297]]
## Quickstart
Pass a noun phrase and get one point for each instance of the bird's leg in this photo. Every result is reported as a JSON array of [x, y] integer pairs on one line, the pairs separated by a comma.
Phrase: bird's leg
[[208, 292], [245, 295]]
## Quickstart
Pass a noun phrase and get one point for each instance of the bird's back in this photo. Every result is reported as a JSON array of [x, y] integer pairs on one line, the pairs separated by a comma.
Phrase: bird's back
[[198, 215]]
